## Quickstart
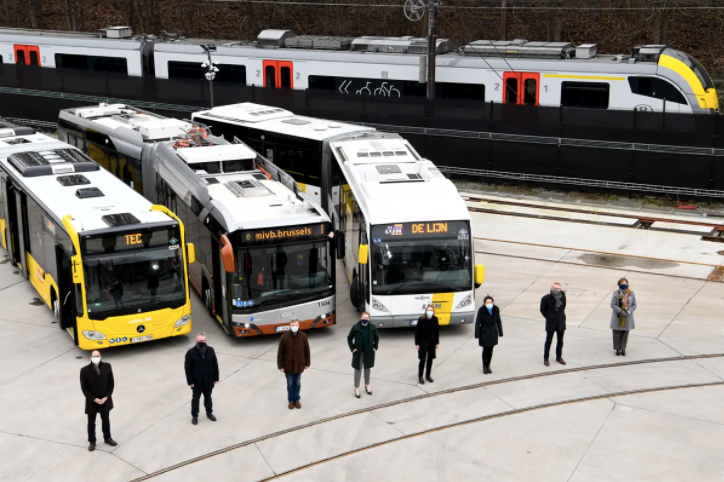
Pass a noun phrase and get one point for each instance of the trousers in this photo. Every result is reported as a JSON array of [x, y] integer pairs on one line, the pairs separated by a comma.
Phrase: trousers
[[425, 361], [358, 373], [196, 397], [487, 354], [620, 339], [105, 426], [294, 386], [559, 343]]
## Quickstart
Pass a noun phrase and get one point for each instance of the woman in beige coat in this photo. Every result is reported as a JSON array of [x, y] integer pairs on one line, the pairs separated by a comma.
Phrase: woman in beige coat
[[623, 304]]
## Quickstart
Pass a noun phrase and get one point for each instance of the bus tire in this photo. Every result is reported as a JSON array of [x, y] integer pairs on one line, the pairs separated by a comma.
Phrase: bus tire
[[206, 294]]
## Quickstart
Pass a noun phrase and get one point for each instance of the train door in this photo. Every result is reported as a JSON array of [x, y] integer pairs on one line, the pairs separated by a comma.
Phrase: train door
[[522, 88], [27, 55], [278, 74]]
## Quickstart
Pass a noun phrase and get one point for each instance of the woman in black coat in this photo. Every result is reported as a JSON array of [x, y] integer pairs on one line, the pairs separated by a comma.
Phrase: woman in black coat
[[488, 326], [427, 340]]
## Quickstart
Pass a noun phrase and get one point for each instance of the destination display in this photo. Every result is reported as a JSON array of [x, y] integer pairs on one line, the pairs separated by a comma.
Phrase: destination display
[[439, 229], [161, 237], [288, 232]]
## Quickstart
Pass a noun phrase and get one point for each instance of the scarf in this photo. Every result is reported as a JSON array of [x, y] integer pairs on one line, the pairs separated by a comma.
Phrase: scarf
[[97, 368], [558, 297], [623, 303]]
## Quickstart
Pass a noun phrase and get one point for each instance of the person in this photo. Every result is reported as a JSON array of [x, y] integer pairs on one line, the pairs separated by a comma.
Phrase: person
[[363, 342], [623, 304], [553, 309], [97, 384], [427, 341], [153, 278], [293, 359], [488, 326], [202, 374]]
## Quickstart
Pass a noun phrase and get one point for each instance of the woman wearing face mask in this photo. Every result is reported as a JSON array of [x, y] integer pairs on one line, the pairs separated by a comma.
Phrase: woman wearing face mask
[[623, 304], [427, 340], [363, 342], [488, 326]]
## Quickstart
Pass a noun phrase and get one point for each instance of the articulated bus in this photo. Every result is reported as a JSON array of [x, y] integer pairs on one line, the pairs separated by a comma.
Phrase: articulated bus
[[110, 265], [408, 235], [265, 255]]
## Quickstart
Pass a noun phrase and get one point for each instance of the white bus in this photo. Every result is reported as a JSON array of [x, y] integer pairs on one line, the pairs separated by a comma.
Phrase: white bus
[[408, 235], [264, 251]]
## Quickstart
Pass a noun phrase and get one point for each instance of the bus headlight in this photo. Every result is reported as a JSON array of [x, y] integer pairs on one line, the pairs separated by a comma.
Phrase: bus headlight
[[378, 306], [94, 335], [465, 302], [184, 320]]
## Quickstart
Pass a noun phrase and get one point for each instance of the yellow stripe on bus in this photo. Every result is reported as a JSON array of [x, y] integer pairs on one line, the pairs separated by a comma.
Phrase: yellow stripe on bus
[[583, 77], [443, 306], [2, 233]]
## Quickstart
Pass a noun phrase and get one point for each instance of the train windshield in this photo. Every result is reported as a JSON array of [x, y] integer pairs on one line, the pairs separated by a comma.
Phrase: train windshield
[[420, 258], [133, 272]]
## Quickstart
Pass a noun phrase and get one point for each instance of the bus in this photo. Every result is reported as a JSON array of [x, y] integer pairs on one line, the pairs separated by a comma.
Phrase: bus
[[110, 265], [265, 255], [408, 236]]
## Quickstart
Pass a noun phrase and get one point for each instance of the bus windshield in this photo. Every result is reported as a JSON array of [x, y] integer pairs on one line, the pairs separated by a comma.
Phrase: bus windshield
[[133, 272], [280, 273], [418, 258]]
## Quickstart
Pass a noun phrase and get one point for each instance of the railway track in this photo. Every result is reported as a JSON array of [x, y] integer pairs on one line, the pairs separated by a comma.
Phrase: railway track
[[452, 425]]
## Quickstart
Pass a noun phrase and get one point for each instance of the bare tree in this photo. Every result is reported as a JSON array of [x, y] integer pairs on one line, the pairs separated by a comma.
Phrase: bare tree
[[71, 9], [35, 12]]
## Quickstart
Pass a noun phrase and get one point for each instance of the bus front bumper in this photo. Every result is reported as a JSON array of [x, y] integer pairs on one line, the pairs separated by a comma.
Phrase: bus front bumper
[[402, 321], [243, 330]]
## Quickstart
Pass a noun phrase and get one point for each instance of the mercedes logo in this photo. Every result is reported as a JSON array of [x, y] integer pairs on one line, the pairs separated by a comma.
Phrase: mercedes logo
[[141, 328]]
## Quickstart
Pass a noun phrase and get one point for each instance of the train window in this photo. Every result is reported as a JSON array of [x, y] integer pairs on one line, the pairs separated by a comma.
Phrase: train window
[[593, 95], [185, 70], [511, 90], [460, 91], [86, 62], [321, 82], [286, 80], [270, 76], [530, 89], [20, 56], [656, 88], [34, 59], [231, 73]]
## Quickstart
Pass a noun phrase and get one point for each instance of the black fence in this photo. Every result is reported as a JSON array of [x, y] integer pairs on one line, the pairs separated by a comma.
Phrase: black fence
[[610, 149]]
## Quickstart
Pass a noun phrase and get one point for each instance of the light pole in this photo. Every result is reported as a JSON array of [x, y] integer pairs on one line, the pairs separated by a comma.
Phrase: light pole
[[212, 69]]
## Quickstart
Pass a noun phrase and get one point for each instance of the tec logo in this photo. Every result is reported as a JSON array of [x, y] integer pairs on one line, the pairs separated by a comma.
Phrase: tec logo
[[173, 241]]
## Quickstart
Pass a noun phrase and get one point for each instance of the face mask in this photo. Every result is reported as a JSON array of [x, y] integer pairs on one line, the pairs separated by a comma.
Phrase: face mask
[[202, 344], [96, 360], [295, 329], [364, 322], [489, 306], [430, 313], [623, 286], [556, 291]]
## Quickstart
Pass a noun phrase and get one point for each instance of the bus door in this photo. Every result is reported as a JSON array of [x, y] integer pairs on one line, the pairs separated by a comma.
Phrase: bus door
[[218, 280], [278, 74], [66, 298], [27, 55], [17, 216], [522, 88]]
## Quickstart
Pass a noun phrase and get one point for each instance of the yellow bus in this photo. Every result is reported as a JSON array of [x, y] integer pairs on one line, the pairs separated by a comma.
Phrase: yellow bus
[[111, 266]]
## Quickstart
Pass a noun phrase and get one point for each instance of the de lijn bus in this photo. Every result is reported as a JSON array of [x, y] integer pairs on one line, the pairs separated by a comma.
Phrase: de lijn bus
[[110, 265], [264, 252], [408, 235]]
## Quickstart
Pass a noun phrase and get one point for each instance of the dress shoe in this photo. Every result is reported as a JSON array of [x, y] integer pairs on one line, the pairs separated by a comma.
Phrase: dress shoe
[[291, 405], [297, 405], [211, 417], [485, 369], [111, 442], [420, 381], [369, 392], [618, 352], [546, 363], [195, 420], [490, 372], [356, 394], [561, 361], [91, 447], [623, 352], [429, 379]]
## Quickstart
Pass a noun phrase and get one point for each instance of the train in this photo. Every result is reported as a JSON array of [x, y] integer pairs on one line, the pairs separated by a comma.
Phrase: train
[[655, 78]]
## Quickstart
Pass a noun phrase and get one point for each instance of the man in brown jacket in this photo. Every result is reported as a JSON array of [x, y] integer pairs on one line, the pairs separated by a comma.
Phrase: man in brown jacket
[[293, 358]]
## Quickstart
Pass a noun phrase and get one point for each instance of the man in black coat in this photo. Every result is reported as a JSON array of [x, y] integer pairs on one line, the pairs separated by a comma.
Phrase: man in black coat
[[202, 373], [553, 309], [96, 382]]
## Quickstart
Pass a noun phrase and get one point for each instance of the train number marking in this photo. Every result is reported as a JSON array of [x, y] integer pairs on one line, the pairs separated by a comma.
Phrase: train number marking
[[325, 303], [497, 86], [257, 73], [297, 77], [546, 88], [10, 57]]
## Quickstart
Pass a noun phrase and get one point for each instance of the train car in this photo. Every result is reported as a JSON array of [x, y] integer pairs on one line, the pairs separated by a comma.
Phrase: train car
[[651, 78]]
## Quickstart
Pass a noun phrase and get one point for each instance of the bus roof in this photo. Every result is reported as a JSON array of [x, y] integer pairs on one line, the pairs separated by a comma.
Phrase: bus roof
[[280, 121], [393, 184], [61, 179]]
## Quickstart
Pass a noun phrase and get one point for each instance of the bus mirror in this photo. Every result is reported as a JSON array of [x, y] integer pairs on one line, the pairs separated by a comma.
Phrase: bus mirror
[[479, 275], [76, 264], [190, 253], [227, 255], [339, 239], [364, 251]]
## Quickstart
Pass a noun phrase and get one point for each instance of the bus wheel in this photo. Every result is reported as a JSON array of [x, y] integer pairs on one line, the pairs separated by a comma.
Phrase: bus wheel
[[207, 298]]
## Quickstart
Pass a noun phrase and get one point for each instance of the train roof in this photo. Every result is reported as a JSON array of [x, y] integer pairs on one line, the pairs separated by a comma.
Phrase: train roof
[[394, 184], [280, 121], [65, 181], [118, 38]]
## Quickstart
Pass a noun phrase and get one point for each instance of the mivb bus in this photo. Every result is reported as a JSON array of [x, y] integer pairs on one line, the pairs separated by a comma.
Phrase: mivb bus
[[408, 235], [264, 252], [108, 263]]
